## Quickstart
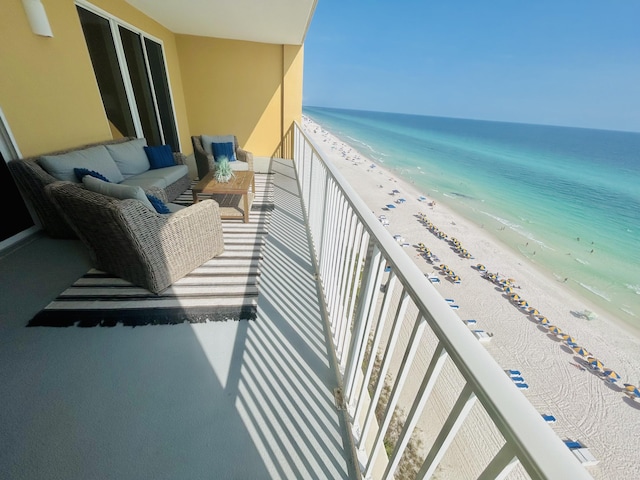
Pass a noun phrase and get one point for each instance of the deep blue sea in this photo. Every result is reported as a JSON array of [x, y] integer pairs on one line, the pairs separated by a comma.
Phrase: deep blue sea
[[567, 199]]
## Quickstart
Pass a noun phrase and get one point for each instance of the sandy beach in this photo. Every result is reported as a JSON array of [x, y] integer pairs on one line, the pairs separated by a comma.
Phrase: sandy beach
[[587, 405]]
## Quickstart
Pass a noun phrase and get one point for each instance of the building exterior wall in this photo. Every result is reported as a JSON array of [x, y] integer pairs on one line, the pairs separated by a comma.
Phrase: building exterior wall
[[243, 88], [51, 100]]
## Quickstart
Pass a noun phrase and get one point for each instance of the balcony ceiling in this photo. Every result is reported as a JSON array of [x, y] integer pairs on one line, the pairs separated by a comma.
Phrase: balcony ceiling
[[266, 21]]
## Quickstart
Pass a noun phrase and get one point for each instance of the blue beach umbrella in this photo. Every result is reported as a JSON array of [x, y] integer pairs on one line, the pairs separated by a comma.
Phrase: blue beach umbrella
[[611, 375], [581, 351], [632, 390], [555, 330], [595, 363]]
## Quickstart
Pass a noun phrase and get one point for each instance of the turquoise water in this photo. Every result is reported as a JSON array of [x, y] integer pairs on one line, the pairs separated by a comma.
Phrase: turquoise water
[[567, 199]]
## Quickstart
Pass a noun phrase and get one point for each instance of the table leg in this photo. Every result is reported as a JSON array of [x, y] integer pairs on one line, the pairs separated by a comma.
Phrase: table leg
[[195, 197], [246, 207]]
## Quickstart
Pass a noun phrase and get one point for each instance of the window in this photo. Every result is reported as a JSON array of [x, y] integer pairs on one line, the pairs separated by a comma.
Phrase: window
[[132, 78]]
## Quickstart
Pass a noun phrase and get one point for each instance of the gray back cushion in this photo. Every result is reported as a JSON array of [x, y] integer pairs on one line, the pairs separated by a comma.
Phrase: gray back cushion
[[121, 192], [96, 158], [130, 157]]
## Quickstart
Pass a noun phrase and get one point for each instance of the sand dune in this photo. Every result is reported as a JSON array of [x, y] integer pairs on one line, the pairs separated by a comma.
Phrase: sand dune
[[587, 407]]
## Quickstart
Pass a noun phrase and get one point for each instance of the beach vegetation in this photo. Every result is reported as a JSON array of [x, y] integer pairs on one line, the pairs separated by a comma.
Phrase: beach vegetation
[[411, 460]]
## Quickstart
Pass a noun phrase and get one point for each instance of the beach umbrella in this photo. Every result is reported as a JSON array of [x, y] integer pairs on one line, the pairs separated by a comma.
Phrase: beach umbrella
[[568, 338], [555, 330], [595, 363], [507, 289], [514, 297], [580, 351], [481, 267], [544, 321], [611, 375], [632, 390], [533, 311]]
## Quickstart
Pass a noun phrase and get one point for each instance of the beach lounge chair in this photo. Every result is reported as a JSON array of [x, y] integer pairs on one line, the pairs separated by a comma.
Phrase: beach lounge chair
[[513, 373], [482, 336], [518, 379], [470, 322], [449, 300], [582, 453], [522, 386], [549, 418], [455, 307], [434, 279]]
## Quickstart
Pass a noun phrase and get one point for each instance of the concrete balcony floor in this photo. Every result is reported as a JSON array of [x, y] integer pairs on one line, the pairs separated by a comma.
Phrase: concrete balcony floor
[[248, 399]]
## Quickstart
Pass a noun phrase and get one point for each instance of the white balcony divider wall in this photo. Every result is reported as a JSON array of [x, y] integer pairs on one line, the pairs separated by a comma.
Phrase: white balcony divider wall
[[402, 350]]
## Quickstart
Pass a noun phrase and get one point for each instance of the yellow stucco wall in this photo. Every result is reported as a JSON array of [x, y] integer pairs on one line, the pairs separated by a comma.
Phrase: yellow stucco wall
[[50, 97], [48, 91], [235, 87]]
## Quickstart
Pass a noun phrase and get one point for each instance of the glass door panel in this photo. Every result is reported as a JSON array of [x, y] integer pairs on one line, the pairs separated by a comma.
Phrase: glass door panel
[[132, 46], [102, 50]]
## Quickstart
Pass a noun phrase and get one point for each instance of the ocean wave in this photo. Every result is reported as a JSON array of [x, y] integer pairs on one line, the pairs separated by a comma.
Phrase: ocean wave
[[594, 290], [518, 228], [627, 311], [634, 288], [503, 221], [583, 262], [367, 146]]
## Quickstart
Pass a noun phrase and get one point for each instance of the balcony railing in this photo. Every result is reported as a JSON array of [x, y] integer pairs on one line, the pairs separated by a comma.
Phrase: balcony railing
[[419, 388]]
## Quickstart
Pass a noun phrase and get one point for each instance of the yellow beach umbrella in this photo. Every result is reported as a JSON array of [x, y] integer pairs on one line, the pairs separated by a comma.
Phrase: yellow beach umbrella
[[555, 330], [514, 297], [632, 390], [533, 311], [581, 351], [611, 375], [595, 363]]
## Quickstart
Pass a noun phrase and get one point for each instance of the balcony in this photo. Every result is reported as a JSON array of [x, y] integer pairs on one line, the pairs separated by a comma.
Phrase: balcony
[[343, 366]]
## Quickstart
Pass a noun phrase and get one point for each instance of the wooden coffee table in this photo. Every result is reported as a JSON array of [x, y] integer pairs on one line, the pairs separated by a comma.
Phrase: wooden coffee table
[[234, 197]]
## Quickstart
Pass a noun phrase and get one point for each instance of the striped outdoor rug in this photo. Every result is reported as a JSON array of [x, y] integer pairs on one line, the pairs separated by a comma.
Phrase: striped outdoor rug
[[224, 288]]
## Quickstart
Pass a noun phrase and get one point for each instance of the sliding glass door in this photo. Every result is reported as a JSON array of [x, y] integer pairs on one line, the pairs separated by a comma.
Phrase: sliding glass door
[[132, 78]]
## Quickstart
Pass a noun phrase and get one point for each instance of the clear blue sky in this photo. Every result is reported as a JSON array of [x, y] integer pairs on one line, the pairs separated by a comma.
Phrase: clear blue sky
[[562, 62]]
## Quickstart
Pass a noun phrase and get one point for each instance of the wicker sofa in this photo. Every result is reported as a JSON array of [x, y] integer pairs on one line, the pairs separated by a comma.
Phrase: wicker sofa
[[130, 240], [203, 153], [126, 155]]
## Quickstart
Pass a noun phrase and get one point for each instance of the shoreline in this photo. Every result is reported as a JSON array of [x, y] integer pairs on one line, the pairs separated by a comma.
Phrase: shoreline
[[561, 382], [516, 242]]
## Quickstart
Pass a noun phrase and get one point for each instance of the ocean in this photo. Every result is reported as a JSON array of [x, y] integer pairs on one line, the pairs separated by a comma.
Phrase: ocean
[[567, 199]]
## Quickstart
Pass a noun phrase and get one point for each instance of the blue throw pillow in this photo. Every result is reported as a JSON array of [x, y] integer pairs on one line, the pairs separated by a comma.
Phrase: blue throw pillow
[[160, 156], [223, 150], [81, 172], [158, 204]]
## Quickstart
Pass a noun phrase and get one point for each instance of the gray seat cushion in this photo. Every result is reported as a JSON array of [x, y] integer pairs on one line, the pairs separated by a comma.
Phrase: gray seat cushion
[[161, 177]]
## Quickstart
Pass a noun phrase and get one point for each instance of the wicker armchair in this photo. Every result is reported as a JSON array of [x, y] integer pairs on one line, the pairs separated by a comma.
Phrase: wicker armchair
[[127, 239], [205, 162]]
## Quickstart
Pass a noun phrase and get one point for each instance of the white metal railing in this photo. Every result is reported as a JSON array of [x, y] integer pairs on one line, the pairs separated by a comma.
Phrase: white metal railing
[[389, 325]]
